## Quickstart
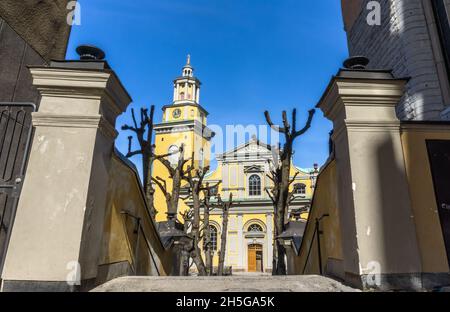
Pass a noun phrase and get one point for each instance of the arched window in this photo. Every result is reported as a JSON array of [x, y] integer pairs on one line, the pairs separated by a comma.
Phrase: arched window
[[213, 231], [255, 228], [300, 189], [254, 185], [173, 158], [182, 95]]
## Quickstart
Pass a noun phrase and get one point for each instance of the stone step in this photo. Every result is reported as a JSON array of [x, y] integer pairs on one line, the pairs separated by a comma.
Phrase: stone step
[[304, 283]]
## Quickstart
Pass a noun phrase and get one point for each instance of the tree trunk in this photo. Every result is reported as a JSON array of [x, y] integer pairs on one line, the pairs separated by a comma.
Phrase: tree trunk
[[223, 242], [207, 241], [196, 252], [149, 191], [281, 179]]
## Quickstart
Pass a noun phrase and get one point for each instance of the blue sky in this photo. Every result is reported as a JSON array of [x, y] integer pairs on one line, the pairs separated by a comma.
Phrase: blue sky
[[251, 55]]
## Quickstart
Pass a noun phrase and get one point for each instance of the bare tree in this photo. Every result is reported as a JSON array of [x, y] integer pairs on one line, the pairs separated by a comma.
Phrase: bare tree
[[225, 206], [187, 217], [195, 177], [176, 173], [280, 176], [144, 135], [207, 241]]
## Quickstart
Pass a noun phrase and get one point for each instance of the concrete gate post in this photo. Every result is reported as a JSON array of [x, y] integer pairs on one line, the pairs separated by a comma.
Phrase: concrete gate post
[[58, 228], [378, 233]]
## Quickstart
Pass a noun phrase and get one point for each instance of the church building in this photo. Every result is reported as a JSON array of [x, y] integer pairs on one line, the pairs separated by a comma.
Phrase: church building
[[242, 171]]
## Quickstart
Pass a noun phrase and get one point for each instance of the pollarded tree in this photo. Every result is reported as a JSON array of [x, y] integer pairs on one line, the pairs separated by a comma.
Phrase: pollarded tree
[[225, 206], [144, 135], [280, 176], [207, 241], [176, 173], [195, 178]]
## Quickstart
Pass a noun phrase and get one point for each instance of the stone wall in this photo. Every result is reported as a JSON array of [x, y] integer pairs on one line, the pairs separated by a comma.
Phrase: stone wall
[[41, 23], [32, 32], [403, 43]]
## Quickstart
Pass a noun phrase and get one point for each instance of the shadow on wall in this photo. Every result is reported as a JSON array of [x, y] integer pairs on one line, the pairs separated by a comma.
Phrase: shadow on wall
[[395, 232]]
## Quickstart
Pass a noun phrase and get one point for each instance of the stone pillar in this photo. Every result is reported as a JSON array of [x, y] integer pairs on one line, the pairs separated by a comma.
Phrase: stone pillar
[[241, 243], [193, 95], [269, 240], [379, 238], [59, 222]]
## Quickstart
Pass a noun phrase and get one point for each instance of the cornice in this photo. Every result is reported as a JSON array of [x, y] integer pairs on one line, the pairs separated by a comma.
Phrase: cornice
[[86, 84], [74, 121]]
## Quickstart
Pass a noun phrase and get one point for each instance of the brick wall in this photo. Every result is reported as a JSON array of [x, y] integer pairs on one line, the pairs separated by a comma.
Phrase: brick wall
[[402, 43]]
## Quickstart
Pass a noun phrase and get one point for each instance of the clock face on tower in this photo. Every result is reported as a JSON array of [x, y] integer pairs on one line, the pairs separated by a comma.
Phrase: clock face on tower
[[176, 113]]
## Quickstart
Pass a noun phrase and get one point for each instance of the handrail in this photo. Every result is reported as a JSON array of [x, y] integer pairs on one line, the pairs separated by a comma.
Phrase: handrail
[[309, 251], [140, 229], [319, 252], [18, 185]]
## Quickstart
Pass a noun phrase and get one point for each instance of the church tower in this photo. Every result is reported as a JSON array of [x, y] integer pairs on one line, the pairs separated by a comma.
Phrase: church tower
[[184, 122]]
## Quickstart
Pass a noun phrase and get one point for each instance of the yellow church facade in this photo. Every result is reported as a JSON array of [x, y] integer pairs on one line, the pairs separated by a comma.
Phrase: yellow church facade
[[242, 171]]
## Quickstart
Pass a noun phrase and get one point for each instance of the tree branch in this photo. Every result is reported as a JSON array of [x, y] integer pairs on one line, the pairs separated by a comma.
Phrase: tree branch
[[308, 124], [160, 185], [272, 125]]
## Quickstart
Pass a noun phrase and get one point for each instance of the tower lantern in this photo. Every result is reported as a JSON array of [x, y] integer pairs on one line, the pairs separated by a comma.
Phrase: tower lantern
[[187, 87]]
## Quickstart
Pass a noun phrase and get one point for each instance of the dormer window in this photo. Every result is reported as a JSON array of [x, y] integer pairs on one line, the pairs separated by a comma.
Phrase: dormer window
[[300, 189]]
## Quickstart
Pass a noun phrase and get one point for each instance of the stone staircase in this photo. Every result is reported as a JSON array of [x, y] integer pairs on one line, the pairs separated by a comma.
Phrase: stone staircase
[[304, 283]]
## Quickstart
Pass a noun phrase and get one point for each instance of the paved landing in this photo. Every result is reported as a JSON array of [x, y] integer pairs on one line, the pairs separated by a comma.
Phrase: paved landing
[[304, 283]]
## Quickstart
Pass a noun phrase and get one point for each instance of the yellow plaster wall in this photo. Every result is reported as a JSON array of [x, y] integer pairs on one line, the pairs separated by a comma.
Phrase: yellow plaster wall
[[428, 227], [325, 201], [119, 239]]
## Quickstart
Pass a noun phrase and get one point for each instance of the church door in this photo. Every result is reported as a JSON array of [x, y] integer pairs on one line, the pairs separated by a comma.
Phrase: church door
[[439, 154], [255, 260]]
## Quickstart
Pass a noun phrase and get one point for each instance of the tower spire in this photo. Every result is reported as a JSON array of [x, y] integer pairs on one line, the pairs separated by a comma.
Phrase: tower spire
[[187, 69]]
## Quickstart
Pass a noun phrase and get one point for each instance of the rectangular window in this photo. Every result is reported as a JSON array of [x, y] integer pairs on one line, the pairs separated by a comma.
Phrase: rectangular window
[[442, 21]]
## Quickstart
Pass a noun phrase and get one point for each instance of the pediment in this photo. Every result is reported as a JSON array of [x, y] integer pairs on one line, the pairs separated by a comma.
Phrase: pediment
[[253, 147], [253, 168]]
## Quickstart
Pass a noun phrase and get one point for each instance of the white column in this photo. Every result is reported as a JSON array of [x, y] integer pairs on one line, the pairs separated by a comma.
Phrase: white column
[[194, 91], [269, 240], [174, 92], [198, 96]]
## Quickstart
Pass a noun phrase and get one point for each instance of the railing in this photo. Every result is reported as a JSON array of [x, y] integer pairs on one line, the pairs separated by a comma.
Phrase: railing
[[317, 232], [15, 137], [138, 231]]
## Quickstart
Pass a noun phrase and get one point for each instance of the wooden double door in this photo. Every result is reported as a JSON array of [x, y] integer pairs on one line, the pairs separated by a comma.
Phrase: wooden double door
[[255, 258]]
